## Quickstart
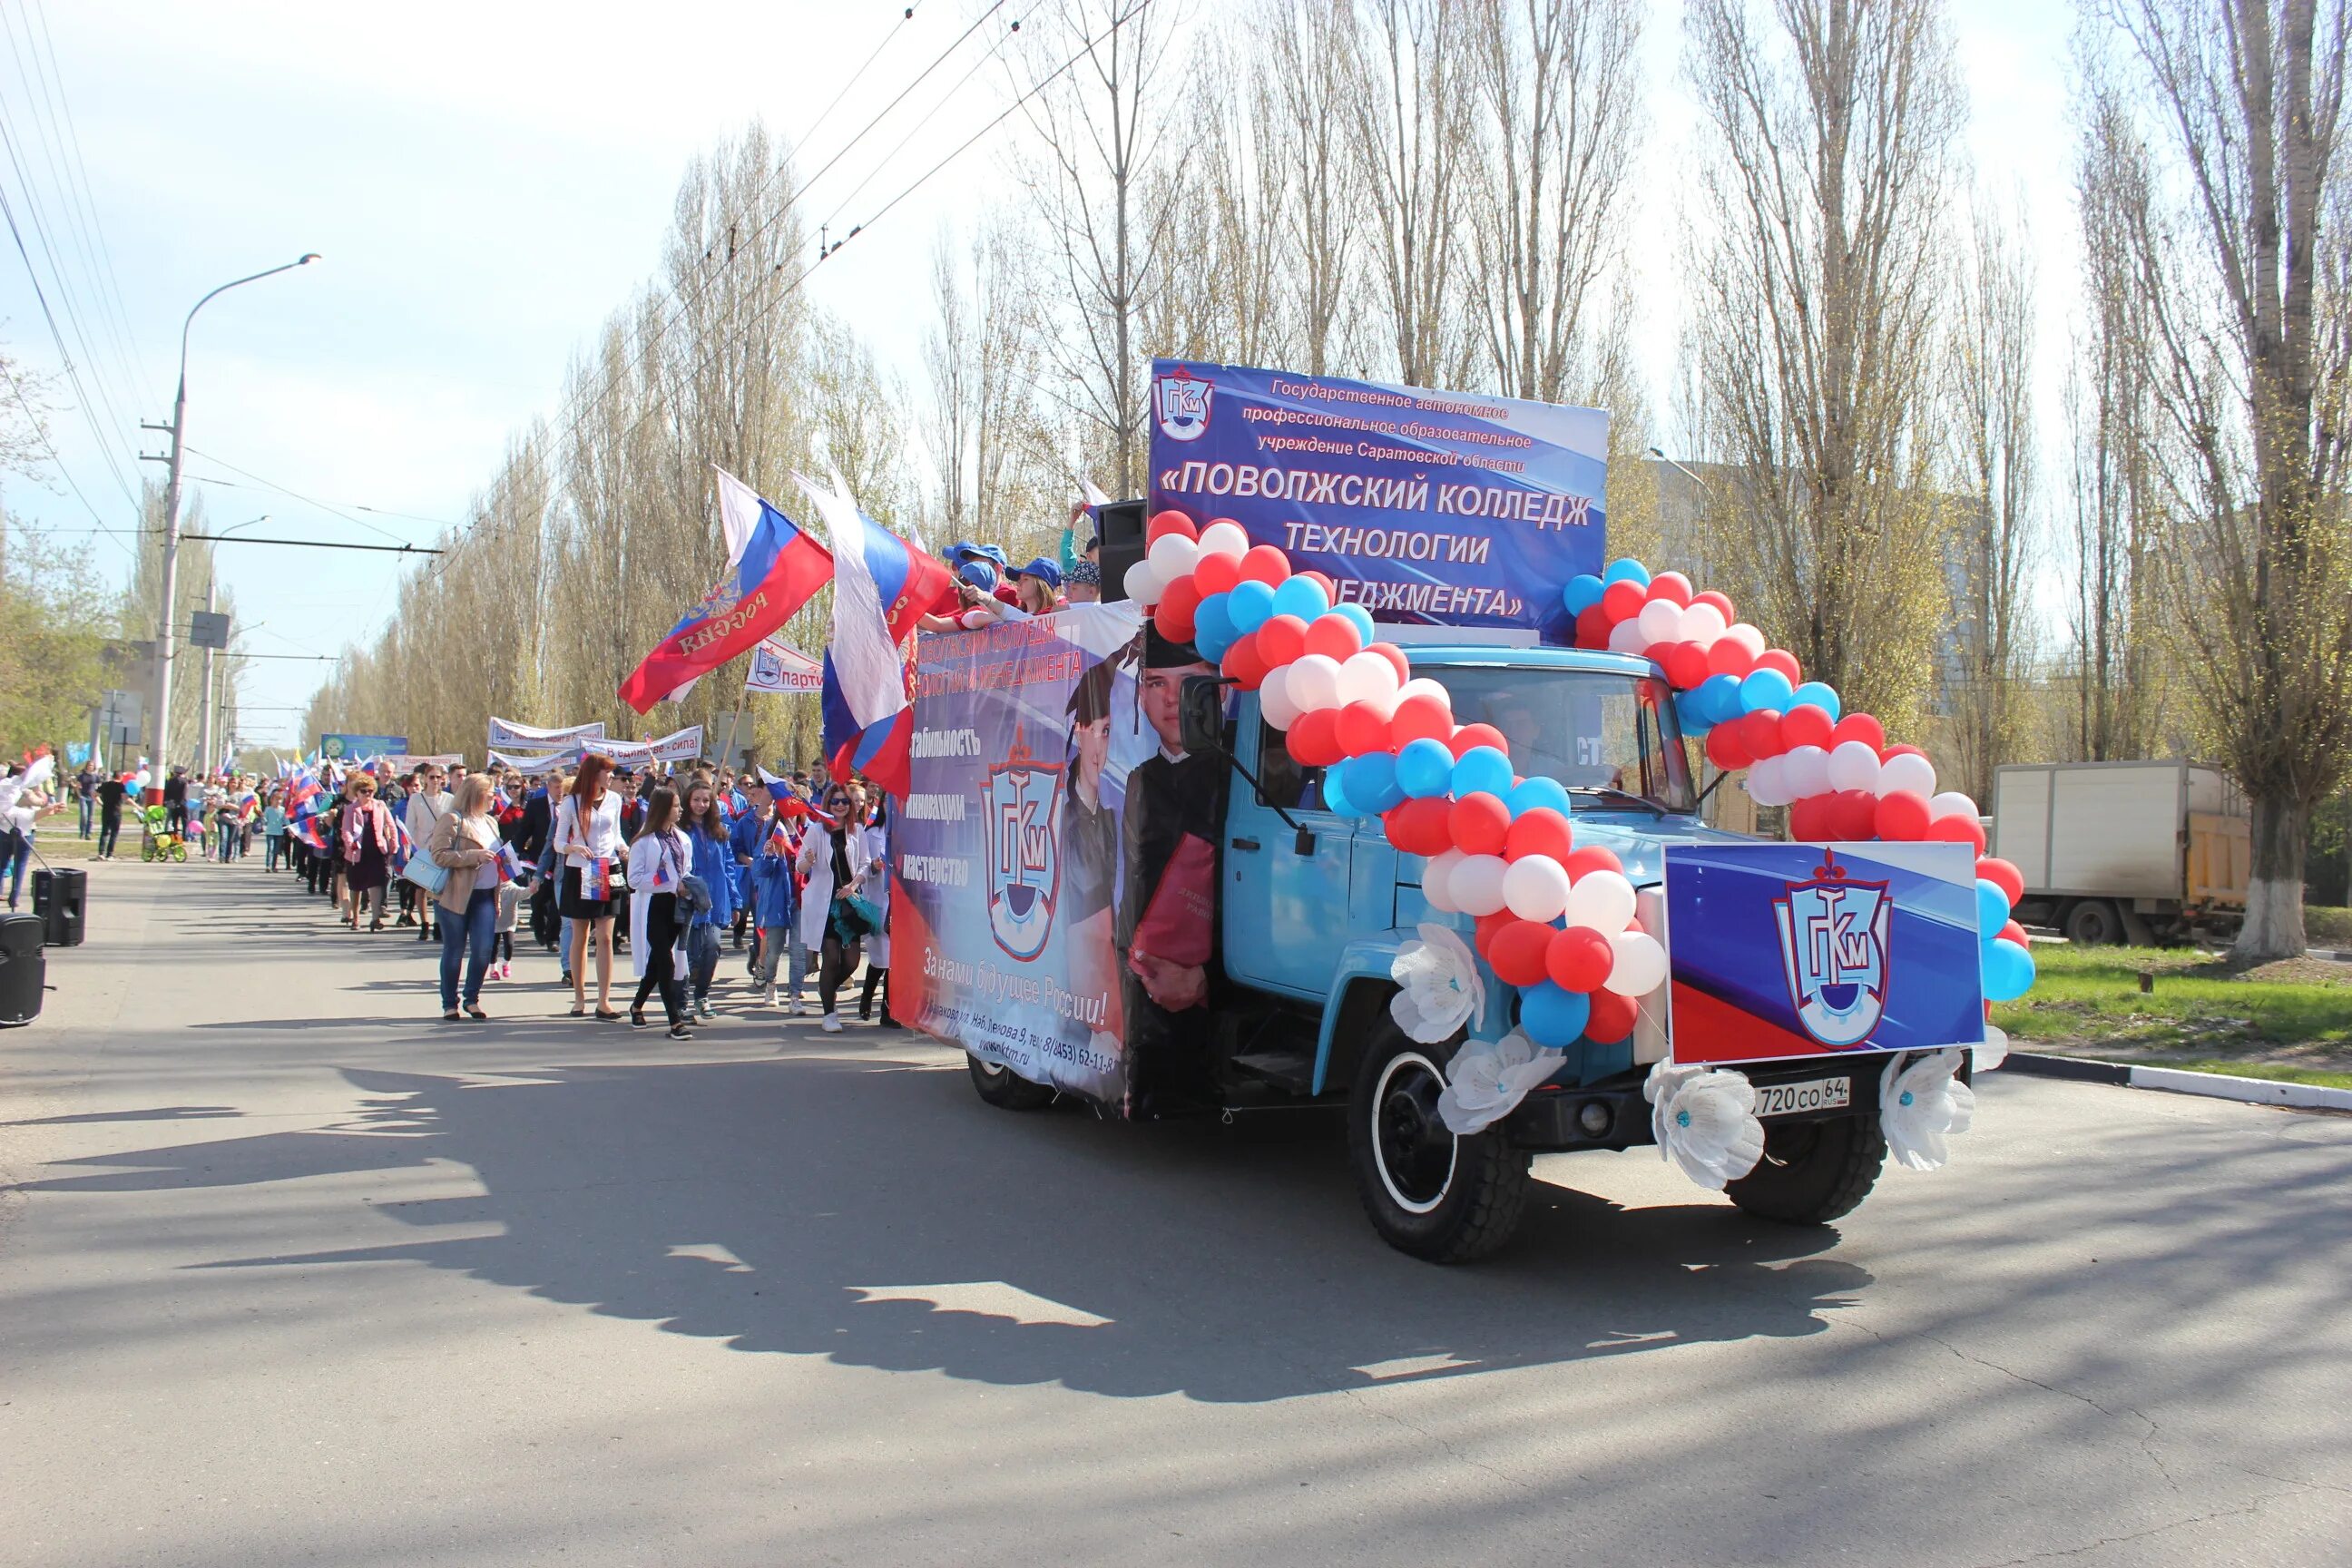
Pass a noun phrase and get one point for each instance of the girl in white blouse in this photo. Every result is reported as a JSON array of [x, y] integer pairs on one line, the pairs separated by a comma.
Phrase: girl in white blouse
[[588, 831]]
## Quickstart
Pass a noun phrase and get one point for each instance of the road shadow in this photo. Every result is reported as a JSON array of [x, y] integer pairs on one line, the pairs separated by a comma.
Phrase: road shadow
[[160, 1113]]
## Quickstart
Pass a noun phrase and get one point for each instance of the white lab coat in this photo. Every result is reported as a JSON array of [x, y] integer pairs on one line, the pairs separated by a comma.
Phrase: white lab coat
[[862, 845], [644, 855]]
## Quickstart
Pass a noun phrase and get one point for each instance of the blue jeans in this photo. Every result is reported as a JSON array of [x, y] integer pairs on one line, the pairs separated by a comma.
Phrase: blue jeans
[[702, 958], [473, 934], [15, 854], [82, 809]]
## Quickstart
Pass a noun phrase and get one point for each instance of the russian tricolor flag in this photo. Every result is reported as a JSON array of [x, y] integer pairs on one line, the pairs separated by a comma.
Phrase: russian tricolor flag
[[777, 569], [882, 586]]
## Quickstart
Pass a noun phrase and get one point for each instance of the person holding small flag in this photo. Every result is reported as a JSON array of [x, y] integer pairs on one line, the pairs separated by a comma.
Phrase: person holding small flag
[[588, 843], [659, 860], [368, 836], [465, 844]]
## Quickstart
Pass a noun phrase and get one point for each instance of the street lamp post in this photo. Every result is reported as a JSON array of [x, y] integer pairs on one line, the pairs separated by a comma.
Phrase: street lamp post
[[166, 629]]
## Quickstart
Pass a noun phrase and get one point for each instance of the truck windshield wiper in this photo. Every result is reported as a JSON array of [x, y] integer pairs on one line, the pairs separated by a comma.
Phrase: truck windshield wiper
[[1644, 802]]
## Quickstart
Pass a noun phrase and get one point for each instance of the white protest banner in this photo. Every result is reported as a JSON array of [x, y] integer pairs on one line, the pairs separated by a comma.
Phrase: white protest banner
[[544, 762], [504, 732], [402, 764], [780, 667], [680, 745]]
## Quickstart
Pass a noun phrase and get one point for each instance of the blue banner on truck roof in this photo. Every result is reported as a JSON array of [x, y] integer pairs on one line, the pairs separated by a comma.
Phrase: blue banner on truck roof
[[1449, 509]]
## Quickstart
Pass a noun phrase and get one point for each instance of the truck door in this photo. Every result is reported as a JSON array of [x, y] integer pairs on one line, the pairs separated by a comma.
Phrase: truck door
[[1286, 914]]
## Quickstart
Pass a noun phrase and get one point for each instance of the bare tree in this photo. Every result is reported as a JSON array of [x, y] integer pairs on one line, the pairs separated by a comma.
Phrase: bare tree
[[1415, 123], [1307, 67]]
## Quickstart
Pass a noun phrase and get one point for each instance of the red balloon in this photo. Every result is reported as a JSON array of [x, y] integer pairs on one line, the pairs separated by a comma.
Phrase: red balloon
[[1759, 732], [1723, 747], [1517, 954], [1481, 824], [1419, 826], [1671, 586], [1164, 524], [1781, 659], [1334, 636], [1906, 750], [1484, 930], [1858, 727], [1805, 725], [1725, 657], [1855, 814], [1592, 627], [1281, 638], [1216, 574], [1903, 815], [1612, 1018], [1623, 601], [1419, 717], [1395, 656], [2016, 933], [1583, 863], [1330, 589], [1958, 830], [1266, 564], [1362, 728], [1720, 601], [2002, 875], [1579, 959], [1314, 738], [1539, 831], [1809, 819], [1244, 663], [1174, 611], [1471, 735], [1683, 662]]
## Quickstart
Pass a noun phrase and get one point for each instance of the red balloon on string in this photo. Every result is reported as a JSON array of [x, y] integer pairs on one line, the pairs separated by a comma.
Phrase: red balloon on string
[[1539, 831], [1723, 747], [1420, 827], [1362, 728], [1397, 660], [1781, 659], [1683, 662], [1418, 718], [1759, 732], [1809, 819], [1517, 954], [1282, 639], [1671, 586], [1613, 1019], [1481, 824], [1164, 524], [1958, 830], [1216, 574], [1903, 815], [1173, 613], [1314, 738], [1335, 638], [1592, 625], [1720, 601], [1266, 564], [1244, 663], [1623, 601], [1579, 959], [1725, 657], [1805, 726], [2002, 875], [1858, 727], [1583, 862], [1471, 735]]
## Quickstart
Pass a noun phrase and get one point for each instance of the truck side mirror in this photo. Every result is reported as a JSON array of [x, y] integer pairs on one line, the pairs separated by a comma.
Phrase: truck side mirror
[[1201, 711]]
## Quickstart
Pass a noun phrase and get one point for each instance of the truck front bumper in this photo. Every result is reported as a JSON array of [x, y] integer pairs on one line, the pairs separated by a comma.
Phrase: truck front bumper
[[1614, 1115]]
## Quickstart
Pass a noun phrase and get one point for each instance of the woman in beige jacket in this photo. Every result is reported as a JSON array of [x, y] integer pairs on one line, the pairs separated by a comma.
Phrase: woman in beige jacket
[[465, 842]]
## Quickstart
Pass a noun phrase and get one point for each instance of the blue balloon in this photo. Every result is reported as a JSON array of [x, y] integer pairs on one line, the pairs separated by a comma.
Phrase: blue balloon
[[1553, 1015], [2007, 971], [1360, 616], [1625, 569], [1335, 793], [1372, 783], [1529, 794], [1763, 689], [1583, 592], [1993, 909], [1482, 770], [1424, 768], [1718, 698], [1212, 648], [1694, 723], [1249, 602], [1214, 622], [1300, 596], [1813, 694]]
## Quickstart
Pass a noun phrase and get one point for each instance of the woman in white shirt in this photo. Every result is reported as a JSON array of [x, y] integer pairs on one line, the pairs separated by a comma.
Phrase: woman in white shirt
[[587, 840], [659, 860], [840, 864]]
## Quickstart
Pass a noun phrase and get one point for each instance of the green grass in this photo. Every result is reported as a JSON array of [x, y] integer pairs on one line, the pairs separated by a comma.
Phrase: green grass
[[2276, 1072], [2326, 925], [2091, 997]]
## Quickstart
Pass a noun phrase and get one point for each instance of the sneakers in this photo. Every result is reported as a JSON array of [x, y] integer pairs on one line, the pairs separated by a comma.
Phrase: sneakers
[[793, 1009], [832, 1025], [704, 1009], [767, 996]]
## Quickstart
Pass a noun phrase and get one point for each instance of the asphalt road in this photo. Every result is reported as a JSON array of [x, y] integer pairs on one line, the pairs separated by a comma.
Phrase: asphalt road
[[291, 1272]]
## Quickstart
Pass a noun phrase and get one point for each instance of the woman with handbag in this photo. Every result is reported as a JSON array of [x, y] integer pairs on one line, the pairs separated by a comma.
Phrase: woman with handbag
[[714, 903], [659, 862], [464, 848], [838, 857], [589, 844], [365, 833]]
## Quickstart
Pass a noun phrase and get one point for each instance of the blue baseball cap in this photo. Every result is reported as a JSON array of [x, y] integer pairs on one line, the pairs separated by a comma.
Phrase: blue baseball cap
[[994, 552], [979, 573], [1045, 570]]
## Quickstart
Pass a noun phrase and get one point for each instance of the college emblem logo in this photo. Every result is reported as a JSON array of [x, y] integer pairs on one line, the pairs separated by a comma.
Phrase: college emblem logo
[[1180, 403], [1833, 952], [1021, 805]]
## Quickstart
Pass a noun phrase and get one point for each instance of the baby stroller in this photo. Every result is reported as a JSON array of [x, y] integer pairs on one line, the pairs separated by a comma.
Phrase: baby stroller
[[156, 839]]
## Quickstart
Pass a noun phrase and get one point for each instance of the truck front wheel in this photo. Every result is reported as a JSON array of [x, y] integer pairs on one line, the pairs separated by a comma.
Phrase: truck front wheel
[[1003, 1088], [1812, 1172], [2093, 922], [1429, 1192]]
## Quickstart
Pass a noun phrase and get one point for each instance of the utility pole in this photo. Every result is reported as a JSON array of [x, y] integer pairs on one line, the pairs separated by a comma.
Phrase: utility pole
[[204, 732]]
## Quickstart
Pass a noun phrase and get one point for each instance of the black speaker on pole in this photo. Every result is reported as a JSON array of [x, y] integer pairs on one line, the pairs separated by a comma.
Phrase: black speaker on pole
[[23, 968], [58, 894], [1122, 544]]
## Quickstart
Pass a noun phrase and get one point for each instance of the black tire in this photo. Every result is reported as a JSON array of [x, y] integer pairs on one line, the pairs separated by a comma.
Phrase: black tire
[[1004, 1089], [1428, 1193], [1812, 1172], [2093, 922]]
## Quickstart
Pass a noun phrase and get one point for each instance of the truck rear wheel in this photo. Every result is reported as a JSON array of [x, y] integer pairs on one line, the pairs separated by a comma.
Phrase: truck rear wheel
[[1003, 1088], [1427, 1192], [1812, 1172], [2093, 922]]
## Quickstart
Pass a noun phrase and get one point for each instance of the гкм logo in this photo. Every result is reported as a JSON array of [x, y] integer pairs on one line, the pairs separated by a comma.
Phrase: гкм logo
[[1833, 950], [1021, 804], [1180, 401]]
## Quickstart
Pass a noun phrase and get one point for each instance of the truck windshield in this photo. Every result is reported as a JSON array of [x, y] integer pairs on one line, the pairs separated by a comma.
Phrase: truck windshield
[[1611, 734]]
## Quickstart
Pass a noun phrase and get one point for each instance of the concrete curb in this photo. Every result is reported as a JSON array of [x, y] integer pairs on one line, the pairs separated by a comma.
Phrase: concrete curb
[[2179, 1080]]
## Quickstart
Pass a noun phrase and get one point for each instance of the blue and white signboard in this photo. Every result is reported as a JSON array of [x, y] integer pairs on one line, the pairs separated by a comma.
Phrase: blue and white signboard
[[1448, 509], [1799, 950]]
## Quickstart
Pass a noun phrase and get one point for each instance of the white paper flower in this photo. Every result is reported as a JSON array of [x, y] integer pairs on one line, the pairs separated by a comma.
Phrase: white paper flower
[[1993, 1052], [1919, 1104], [1440, 988], [1705, 1122], [1489, 1077]]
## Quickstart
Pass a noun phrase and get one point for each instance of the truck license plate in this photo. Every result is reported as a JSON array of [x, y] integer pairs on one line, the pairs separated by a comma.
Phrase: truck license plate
[[1811, 1094]]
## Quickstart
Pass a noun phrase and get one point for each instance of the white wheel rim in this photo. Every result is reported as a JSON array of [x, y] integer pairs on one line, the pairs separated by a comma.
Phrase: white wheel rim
[[1404, 1062]]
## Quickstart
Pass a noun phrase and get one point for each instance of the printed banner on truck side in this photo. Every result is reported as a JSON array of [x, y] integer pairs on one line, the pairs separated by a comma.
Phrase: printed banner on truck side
[[1799, 950], [1052, 902], [1448, 509]]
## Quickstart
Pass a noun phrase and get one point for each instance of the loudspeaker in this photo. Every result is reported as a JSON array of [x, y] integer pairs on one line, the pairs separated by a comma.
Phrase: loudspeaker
[[24, 969], [58, 897], [1122, 544]]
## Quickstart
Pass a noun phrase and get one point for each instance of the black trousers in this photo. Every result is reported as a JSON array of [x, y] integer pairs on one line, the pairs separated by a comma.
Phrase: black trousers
[[661, 958]]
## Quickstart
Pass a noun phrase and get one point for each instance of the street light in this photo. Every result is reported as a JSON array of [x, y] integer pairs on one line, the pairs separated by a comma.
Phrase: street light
[[167, 633]]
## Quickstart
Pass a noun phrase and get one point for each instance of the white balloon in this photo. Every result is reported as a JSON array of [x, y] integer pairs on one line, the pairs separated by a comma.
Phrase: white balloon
[[1951, 803], [1173, 556], [1626, 637], [1601, 900], [1368, 677], [1536, 888], [1855, 765], [1476, 884], [1313, 682], [1436, 880], [1143, 585], [1225, 537], [1806, 770], [1660, 620], [1909, 770], [1767, 782], [1273, 699], [1641, 963], [1702, 624], [1421, 685], [1747, 636]]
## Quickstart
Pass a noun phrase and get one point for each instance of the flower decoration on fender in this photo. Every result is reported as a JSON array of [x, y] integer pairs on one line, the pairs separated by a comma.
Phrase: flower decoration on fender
[[1921, 1104], [1487, 1078], [1993, 1052], [1438, 988], [1705, 1122]]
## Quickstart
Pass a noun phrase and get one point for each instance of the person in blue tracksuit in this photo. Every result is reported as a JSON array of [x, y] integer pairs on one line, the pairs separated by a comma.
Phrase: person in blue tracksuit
[[749, 829], [776, 908], [714, 862]]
